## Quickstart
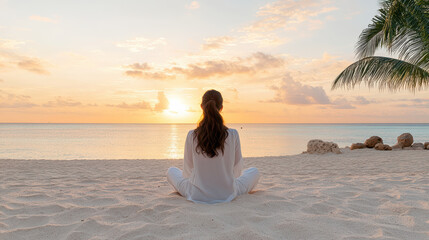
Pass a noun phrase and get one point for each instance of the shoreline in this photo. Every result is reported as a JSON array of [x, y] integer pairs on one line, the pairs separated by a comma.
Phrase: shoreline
[[344, 150]]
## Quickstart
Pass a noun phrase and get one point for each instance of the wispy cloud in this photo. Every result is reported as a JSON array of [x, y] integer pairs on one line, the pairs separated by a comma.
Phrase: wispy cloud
[[140, 66], [256, 63], [217, 42], [9, 59], [11, 100], [62, 102], [140, 43], [144, 71], [32, 65], [42, 19], [342, 103], [133, 106], [362, 101], [193, 5], [414, 103], [10, 44], [286, 14], [161, 104]]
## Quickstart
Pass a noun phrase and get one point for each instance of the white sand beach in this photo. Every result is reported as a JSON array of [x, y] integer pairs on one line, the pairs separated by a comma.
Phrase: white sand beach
[[360, 194]]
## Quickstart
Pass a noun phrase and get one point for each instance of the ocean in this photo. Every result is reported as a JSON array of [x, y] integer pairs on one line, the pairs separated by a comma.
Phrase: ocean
[[166, 141]]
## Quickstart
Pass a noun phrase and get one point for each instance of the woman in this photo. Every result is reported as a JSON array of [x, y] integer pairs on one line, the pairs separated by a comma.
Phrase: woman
[[213, 161]]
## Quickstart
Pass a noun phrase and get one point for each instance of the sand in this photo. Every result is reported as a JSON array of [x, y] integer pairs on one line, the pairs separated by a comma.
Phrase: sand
[[360, 194]]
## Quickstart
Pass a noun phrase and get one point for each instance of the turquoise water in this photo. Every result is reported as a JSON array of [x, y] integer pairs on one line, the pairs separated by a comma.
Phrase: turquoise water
[[166, 141]]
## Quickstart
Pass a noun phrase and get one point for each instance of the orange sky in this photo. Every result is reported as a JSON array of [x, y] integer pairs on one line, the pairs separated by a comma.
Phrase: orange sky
[[143, 62]]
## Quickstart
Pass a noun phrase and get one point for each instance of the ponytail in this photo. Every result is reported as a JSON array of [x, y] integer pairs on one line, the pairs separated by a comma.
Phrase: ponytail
[[211, 131]]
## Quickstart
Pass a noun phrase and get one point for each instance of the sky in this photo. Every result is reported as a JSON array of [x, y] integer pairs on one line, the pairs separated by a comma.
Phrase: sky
[[147, 61]]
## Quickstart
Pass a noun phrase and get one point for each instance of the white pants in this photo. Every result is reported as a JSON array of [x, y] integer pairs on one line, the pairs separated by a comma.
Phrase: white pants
[[245, 183]]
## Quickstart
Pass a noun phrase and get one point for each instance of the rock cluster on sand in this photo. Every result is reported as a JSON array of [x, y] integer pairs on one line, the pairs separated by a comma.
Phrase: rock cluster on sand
[[375, 142], [405, 141], [319, 146], [372, 141]]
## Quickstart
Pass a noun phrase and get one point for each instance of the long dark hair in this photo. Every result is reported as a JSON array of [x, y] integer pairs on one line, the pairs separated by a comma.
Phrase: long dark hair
[[211, 131]]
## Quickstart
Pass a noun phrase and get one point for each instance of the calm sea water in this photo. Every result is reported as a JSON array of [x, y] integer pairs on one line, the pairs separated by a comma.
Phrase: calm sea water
[[162, 141]]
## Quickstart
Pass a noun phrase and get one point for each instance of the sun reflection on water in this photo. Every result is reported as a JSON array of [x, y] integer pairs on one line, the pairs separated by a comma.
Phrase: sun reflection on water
[[173, 150]]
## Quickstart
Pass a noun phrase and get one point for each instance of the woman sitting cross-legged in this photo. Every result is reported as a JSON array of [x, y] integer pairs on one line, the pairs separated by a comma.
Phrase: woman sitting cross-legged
[[212, 161]]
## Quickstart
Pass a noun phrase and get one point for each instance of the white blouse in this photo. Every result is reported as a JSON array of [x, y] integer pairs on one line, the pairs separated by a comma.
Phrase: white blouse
[[213, 180]]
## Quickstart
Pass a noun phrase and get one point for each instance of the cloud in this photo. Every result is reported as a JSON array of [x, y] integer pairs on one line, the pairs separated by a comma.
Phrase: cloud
[[9, 59], [140, 66], [286, 14], [139, 44], [256, 63], [135, 106], [143, 70], [10, 100], [414, 103], [193, 5], [160, 106], [295, 93], [62, 102], [217, 42], [342, 103], [148, 75], [362, 101], [32, 65], [42, 19], [10, 44], [162, 102]]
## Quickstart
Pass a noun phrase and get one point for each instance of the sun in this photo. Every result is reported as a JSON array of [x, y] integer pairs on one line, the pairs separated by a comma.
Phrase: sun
[[176, 106]]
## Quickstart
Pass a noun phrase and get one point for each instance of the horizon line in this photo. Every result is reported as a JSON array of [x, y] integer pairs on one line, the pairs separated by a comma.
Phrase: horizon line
[[225, 124]]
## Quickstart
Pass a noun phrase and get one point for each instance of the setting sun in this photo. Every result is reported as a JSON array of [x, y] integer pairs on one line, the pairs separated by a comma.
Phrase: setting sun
[[177, 107]]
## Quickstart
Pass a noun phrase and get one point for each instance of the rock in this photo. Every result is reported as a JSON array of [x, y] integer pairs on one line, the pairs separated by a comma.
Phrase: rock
[[396, 146], [357, 146], [319, 146], [372, 141], [382, 147], [418, 146], [426, 145], [405, 140]]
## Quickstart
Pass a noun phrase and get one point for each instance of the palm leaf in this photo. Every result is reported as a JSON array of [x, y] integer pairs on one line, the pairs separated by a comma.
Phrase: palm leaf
[[411, 48], [402, 27], [387, 73], [372, 37]]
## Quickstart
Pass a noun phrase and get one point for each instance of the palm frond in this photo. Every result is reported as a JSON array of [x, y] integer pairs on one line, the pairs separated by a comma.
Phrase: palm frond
[[411, 48], [405, 14], [372, 37], [387, 73], [401, 26]]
